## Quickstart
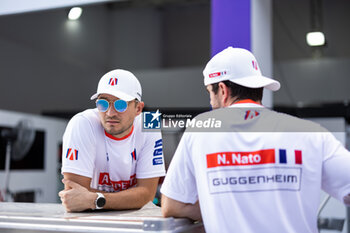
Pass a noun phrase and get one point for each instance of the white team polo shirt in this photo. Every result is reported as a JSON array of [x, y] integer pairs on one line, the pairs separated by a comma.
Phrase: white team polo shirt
[[113, 164], [267, 180]]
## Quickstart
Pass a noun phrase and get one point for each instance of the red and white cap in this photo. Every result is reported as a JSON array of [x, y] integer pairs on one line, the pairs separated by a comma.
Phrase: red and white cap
[[238, 66], [119, 83]]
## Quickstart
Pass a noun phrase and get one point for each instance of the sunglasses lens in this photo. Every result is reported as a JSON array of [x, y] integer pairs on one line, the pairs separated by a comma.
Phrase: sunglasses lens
[[102, 105], [120, 105]]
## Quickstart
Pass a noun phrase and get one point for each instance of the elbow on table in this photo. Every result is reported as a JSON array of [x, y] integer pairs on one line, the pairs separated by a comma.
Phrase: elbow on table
[[167, 212], [169, 207]]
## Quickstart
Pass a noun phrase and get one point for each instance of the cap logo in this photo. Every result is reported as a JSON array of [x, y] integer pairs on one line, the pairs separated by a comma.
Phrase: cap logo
[[113, 81], [217, 74], [255, 65]]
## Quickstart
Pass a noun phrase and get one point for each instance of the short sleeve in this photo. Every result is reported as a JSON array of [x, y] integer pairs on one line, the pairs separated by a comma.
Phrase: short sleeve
[[180, 182], [150, 160], [79, 147], [336, 168]]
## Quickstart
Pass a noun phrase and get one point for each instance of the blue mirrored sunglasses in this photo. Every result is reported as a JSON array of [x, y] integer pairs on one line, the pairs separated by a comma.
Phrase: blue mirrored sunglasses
[[119, 105]]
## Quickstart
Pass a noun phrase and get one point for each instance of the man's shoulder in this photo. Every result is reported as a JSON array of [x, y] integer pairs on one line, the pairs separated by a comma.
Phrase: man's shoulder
[[295, 124], [260, 119], [143, 136], [89, 116], [138, 133]]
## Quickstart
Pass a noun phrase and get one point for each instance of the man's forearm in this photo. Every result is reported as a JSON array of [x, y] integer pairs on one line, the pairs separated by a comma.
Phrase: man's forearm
[[132, 198], [173, 208], [77, 198]]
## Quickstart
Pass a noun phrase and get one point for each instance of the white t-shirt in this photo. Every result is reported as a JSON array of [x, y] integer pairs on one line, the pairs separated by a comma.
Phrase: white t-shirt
[[113, 164], [263, 175]]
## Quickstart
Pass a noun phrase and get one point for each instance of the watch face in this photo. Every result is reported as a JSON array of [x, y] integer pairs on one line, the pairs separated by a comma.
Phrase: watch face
[[101, 201]]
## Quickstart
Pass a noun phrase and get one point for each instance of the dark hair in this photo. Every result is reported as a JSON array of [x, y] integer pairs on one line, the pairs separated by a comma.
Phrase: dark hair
[[240, 92]]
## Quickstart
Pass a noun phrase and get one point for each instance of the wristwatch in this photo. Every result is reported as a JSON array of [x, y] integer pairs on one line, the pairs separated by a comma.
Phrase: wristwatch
[[100, 201]]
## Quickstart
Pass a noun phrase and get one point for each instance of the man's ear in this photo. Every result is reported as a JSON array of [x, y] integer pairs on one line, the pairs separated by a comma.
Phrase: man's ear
[[224, 93], [139, 107]]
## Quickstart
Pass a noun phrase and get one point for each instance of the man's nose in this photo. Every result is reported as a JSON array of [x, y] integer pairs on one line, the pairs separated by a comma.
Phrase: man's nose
[[111, 110]]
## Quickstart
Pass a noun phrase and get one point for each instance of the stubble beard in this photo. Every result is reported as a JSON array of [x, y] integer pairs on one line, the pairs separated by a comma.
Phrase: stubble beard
[[115, 132]]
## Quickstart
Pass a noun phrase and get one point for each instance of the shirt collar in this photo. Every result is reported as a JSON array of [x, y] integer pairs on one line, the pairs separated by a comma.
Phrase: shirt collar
[[246, 103], [119, 139]]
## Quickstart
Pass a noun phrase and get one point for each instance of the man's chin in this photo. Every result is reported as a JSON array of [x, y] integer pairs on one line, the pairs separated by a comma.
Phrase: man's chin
[[113, 131]]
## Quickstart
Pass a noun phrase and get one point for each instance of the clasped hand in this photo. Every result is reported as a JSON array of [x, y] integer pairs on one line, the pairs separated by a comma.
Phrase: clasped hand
[[76, 197]]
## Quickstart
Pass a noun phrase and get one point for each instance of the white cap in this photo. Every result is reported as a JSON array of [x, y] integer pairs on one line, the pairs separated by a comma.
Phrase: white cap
[[238, 66], [119, 83]]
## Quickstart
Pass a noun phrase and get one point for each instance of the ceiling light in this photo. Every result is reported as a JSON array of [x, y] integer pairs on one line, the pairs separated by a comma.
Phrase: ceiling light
[[315, 39], [75, 13]]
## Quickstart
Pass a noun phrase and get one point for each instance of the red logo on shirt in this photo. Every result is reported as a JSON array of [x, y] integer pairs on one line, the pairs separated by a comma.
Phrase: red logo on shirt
[[222, 159], [72, 154], [117, 185]]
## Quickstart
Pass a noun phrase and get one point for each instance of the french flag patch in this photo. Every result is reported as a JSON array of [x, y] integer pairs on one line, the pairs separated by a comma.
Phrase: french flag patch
[[297, 154], [133, 154]]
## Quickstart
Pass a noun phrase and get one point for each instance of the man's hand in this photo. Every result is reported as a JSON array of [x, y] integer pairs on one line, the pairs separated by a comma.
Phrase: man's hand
[[77, 198], [347, 199]]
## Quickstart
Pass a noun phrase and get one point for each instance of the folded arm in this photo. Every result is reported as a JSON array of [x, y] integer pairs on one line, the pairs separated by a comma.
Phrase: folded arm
[[173, 208], [78, 196], [346, 200]]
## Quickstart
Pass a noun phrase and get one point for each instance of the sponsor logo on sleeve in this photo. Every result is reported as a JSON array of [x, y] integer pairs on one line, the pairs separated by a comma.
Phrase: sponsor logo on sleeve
[[72, 154], [158, 153], [158, 143], [158, 161]]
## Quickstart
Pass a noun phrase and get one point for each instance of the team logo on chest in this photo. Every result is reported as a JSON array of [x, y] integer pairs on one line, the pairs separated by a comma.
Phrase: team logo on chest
[[107, 184]]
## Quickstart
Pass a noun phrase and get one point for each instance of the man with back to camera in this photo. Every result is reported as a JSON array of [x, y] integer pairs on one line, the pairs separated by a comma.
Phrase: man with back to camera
[[264, 171], [107, 160]]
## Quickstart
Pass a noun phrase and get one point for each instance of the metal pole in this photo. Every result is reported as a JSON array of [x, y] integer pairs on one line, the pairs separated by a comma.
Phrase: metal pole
[[7, 170]]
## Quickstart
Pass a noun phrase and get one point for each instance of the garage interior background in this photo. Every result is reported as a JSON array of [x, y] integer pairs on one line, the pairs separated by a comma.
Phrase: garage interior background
[[50, 66]]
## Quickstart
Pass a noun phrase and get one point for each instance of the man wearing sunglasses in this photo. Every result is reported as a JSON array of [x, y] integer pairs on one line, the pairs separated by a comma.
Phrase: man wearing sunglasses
[[107, 159]]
